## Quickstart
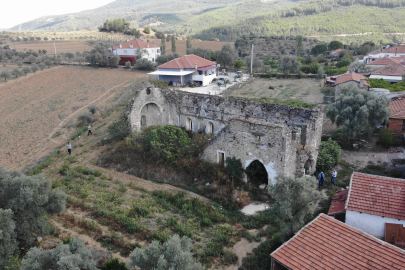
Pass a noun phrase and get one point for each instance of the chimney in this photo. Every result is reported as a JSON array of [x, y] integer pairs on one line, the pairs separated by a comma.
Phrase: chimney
[[362, 83], [131, 46], [196, 66], [148, 45], [120, 45]]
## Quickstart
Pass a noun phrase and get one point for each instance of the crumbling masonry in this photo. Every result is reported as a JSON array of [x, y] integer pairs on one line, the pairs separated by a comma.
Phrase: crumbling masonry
[[285, 139]]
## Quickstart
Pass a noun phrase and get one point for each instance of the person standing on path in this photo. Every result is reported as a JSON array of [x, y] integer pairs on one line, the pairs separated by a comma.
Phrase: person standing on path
[[333, 178], [321, 178], [69, 147], [89, 129]]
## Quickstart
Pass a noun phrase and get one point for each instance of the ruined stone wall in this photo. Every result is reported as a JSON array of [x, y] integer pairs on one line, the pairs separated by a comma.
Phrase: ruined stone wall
[[293, 132]]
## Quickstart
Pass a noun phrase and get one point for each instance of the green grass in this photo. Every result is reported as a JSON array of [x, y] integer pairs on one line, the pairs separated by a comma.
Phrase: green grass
[[78, 133], [45, 164], [295, 103]]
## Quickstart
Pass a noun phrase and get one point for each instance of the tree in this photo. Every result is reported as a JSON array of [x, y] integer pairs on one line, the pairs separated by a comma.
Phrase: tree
[[358, 111], [334, 45], [8, 242], [26, 70], [69, 56], [188, 42], [29, 198], [257, 63], [73, 255], [5, 75], [161, 59], [34, 67], [163, 46], [344, 62], [329, 155], [173, 254], [128, 65], [159, 35], [44, 51], [289, 64], [227, 56], [200, 51], [45, 38], [318, 49], [114, 264], [299, 45], [114, 61], [146, 30], [238, 64], [144, 64], [295, 199], [174, 44], [320, 72], [99, 55], [357, 66], [17, 72], [115, 25], [234, 168]]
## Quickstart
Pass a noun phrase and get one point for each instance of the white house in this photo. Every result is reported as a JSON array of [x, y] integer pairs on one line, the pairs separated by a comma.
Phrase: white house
[[391, 73], [374, 201], [187, 69], [129, 50], [397, 51]]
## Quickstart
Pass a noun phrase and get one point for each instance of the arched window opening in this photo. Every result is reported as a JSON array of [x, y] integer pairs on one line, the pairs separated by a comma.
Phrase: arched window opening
[[210, 128], [143, 120], [189, 124]]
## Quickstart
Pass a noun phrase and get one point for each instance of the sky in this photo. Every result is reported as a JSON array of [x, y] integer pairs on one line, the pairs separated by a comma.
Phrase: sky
[[16, 12]]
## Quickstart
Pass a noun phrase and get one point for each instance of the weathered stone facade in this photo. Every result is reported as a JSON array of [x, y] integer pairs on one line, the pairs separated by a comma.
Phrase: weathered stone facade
[[285, 139]]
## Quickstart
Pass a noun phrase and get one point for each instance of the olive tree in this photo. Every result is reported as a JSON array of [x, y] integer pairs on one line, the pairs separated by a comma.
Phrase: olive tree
[[257, 63], [289, 64], [173, 254], [144, 64], [5, 75], [29, 198], [227, 55], [8, 242], [294, 200], [200, 51], [17, 72], [358, 112]]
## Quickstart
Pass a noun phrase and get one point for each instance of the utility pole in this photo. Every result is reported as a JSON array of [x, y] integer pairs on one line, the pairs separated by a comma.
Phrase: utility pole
[[251, 61]]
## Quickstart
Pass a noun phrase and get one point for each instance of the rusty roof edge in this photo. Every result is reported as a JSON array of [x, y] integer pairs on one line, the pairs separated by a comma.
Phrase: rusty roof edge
[[298, 233], [350, 191]]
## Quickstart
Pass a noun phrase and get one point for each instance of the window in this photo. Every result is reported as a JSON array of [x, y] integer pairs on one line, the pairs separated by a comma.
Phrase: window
[[125, 52], [403, 124], [189, 124], [158, 50], [210, 129], [257, 139], [221, 158]]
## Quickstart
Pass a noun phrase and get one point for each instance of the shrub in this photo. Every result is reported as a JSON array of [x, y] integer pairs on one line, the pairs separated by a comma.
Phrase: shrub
[[206, 222], [386, 137], [85, 118], [34, 67], [17, 72], [26, 70], [5, 75], [144, 64], [114, 264], [332, 71], [41, 66], [343, 62], [329, 155], [93, 108], [120, 130], [78, 132], [128, 64], [310, 69], [229, 258], [234, 168]]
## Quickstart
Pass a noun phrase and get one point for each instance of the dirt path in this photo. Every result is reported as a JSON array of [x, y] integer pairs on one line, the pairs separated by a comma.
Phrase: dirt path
[[242, 249]]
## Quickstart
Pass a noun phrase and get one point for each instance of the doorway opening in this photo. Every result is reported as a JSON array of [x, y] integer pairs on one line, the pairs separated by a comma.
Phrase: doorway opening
[[257, 174]]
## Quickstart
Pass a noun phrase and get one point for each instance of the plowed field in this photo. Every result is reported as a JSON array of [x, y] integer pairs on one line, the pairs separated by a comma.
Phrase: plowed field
[[61, 47], [36, 107]]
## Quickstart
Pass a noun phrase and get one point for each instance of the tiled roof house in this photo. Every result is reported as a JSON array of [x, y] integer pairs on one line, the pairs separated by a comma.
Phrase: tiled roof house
[[373, 201], [344, 80], [187, 69], [129, 50], [396, 51], [397, 118], [390, 73], [326, 243]]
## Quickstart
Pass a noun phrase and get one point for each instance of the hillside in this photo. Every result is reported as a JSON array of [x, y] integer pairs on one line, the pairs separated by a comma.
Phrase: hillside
[[170, 16], [318, 18]]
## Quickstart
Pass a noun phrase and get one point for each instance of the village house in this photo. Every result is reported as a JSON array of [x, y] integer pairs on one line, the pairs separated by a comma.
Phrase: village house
[[374, 201], [397, 118], [326, 243], [336, 52], [390, 73], [187, 69], [396, 51], [382, 62], [130, 49], [345, 80]]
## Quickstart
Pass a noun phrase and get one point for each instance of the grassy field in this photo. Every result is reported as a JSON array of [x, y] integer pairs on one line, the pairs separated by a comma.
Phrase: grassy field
[[39, 110], [304, 90]]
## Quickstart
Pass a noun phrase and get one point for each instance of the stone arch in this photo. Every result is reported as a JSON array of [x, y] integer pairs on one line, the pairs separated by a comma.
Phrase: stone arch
[[257, 173], [151, 115], [189, 123], [210, 128]]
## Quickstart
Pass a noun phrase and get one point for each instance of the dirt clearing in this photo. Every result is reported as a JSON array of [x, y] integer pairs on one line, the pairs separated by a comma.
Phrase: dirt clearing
[[39, 111], [61, 47], [305, 90]]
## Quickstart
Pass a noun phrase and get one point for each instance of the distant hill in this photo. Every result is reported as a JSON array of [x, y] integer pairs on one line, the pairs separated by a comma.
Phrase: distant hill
[[169, 15]]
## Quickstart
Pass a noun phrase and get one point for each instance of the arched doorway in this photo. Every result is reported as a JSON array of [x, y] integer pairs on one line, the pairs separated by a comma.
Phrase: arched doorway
[[150, 115], [256, 173], [210, 128], [189, 124]]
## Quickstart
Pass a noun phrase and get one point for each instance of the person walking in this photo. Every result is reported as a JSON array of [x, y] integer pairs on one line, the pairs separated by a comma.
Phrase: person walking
[[333, 178], [89, 129], [69, 147], [321, 178]]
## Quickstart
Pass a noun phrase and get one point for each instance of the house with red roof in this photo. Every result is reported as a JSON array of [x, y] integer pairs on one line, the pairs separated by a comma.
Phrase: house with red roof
[[336, 52], [374, 201], [397, 118], [382, 62], [187, 69], [396, 51], [130, 49], [345, 80], [390, 73], [326, 243]]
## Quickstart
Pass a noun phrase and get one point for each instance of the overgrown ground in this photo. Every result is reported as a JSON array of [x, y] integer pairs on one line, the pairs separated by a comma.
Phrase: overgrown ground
[[304, 90]]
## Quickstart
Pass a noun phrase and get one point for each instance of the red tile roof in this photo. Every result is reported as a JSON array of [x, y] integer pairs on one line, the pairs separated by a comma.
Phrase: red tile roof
[[394, 69], [386, 61], [351, 77], [337, 51], [136, 43], [187, 61], [338, 202], [397, 107], [326, 243], [395, 49], [377, 195]]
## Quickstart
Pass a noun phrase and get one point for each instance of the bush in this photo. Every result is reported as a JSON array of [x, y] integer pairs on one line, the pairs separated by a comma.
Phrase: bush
[[93, 108], [85, 118], [343, 62], [234, 168], [380, 83], [26, 70], [144, 64], [128, 64], [310, 69], [78, 132], [332, 71], [386, 137], [120, 130], [114, 264], [329, 155], [34, 67]]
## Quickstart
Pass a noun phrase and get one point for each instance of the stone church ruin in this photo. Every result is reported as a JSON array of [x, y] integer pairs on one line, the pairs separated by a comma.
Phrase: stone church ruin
[[278, 138]]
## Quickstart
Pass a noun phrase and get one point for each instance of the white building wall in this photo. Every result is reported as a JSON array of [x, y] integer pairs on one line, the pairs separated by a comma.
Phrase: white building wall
[[149, 53], [368, 58], [371, 224]]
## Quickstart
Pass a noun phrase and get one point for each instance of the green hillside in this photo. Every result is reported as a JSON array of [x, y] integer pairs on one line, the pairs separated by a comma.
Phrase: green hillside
[[322, 21]]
